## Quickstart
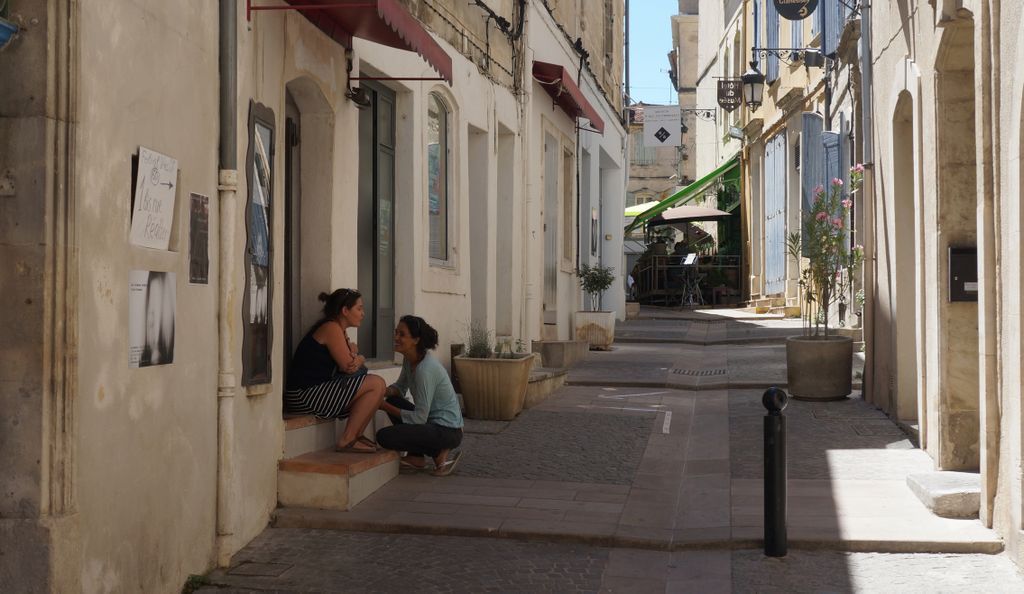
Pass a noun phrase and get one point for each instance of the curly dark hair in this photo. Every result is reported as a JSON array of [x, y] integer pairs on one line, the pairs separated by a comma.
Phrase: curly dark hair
[[334, 302], [419, 328]]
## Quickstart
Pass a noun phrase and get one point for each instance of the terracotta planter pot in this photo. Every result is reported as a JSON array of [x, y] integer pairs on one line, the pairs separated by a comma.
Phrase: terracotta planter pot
[[819, 368], [493, 389], [597, 328]]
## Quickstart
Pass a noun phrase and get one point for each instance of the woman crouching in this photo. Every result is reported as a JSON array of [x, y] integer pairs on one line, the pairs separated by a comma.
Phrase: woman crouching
[[432, 424]]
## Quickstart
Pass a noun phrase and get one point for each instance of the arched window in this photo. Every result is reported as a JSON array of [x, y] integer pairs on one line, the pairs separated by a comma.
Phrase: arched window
[[437, 177]]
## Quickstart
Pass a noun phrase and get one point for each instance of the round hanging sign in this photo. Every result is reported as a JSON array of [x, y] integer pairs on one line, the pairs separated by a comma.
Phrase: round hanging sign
[[795, 10]]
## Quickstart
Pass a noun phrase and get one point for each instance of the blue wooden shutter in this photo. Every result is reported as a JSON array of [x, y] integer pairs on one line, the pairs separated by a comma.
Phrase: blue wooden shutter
[[775, 214], [796, 37], [812, 161], [772, 41], [815, 19], [833, 26], [831, 141]]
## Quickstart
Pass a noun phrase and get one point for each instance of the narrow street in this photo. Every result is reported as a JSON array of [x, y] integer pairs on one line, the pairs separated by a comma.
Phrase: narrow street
[[644, 474]]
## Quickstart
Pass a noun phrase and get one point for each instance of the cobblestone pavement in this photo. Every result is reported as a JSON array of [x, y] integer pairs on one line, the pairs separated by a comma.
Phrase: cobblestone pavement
[[288, 560], [848, 439], [285, 560], [574, 447]]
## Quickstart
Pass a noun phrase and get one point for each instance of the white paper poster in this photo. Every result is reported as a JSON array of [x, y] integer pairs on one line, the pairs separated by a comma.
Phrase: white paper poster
[[153, 212], [661, 125], [151, 308]]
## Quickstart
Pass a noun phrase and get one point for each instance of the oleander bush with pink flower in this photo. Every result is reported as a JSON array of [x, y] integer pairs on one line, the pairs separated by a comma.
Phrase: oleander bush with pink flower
[[821, 250]]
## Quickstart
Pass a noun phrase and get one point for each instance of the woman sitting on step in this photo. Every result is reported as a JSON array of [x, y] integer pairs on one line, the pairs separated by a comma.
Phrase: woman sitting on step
[[328, 378], [432, 424]]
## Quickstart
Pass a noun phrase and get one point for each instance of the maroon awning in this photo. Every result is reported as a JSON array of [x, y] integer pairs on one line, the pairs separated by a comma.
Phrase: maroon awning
[[559, 84], [381, 21]]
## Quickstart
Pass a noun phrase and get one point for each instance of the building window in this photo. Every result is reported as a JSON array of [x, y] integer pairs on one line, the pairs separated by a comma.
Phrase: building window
[[642, 155], [437, 178]]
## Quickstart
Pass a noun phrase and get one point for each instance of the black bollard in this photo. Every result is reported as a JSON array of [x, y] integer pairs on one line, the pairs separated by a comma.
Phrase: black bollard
[[775, 540]]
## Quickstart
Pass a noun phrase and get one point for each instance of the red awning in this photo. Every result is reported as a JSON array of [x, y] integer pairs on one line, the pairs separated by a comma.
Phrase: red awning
[[381, 21], [559, 84]]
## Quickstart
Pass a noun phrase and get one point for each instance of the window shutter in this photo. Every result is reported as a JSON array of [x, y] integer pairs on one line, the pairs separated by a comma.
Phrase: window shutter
[[812, 159], [796, 37], [833, 26], [772, 41], [775, 214]]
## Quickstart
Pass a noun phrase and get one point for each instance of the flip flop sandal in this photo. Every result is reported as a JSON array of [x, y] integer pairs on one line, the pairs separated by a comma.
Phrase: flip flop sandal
[[448, 466], [367, 441], [351, 448]]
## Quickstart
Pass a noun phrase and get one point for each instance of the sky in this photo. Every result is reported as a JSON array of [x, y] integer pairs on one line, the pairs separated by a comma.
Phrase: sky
[[650, 41]]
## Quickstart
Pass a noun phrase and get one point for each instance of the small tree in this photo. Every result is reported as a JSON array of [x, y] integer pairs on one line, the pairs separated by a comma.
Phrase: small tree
[[826, 279], [594, 280]]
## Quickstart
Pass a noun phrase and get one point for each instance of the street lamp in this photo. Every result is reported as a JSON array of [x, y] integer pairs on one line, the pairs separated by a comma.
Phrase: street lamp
[[753, 87]]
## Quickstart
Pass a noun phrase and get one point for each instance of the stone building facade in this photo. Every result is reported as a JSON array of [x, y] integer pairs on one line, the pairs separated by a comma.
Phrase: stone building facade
[[402, 154]]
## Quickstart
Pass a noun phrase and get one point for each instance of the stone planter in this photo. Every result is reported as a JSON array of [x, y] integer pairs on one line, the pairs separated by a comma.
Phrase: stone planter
[[818, 368], [494, 389], [597, 328]]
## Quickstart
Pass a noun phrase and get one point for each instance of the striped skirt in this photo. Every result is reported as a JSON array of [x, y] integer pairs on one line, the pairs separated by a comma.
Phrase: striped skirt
[[329, 400]]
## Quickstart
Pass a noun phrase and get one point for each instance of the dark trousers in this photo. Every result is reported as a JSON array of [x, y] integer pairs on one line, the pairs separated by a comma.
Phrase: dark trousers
[[419, 440]]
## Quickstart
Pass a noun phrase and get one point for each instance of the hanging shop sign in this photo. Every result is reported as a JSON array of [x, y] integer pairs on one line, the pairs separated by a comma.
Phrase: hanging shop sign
[[661, 125], [730, 93], [795, 10]]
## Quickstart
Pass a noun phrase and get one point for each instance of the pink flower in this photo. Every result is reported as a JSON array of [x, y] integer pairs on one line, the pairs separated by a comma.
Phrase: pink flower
[[847, 203], [819, 189], [858, 168], [821, 216], [837, 223], [836, 181]]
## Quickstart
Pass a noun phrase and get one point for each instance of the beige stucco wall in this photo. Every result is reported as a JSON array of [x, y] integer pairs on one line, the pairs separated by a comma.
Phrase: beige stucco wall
[[968, 420], [146, 437]]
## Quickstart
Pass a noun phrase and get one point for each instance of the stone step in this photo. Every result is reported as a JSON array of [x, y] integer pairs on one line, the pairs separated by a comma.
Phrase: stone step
[[543, 382], [326, 479], [306, 433], [948, 494], [560, 353]]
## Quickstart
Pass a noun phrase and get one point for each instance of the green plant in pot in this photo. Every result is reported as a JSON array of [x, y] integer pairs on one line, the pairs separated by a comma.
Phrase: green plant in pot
[[819, 363], [595, 327], [493, 383]]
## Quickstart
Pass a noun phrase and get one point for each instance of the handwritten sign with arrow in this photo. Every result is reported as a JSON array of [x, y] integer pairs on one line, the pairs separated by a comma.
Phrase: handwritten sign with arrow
[[154, 200]]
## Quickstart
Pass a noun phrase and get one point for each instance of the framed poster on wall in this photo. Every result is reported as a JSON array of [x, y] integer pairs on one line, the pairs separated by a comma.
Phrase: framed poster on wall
[[257, 296]]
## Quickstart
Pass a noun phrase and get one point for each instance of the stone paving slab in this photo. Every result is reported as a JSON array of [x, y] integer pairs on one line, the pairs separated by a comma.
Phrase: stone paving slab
[[288, 560]]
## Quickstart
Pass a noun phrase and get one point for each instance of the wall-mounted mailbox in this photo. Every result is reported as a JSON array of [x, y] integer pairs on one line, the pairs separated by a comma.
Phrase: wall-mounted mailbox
[[963, 274]]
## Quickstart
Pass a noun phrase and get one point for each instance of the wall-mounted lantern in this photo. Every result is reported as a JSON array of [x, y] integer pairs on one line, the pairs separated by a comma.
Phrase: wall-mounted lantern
[[753, 87]]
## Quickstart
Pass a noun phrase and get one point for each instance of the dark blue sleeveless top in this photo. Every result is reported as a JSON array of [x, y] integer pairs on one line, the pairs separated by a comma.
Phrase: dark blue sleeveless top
[[312, 363]]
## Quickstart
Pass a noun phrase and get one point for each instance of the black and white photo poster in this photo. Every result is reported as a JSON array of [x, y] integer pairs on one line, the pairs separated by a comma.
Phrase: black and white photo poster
[[151, 308], [199, 239]]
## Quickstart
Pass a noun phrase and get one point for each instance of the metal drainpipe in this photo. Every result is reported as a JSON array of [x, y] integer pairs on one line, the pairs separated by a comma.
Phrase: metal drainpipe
[[227, 188]]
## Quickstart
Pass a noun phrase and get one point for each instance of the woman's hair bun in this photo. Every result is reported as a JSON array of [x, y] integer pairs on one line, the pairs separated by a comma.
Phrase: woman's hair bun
[[323, 297]]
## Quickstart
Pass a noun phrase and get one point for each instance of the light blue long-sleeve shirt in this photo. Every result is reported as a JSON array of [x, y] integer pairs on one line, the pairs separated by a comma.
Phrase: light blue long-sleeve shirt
[[432, 394]]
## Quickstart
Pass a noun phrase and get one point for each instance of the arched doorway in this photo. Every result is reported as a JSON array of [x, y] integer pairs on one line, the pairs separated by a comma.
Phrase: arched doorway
[[956, 443], [907, 250], [308, 148]]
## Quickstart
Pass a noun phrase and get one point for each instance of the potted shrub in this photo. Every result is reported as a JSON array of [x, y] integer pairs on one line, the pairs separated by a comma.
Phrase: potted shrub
[[819, 364], [595, 327], [493, 384]]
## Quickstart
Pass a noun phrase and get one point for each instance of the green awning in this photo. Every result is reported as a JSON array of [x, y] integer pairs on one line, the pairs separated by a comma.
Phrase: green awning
[[685, 195]]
